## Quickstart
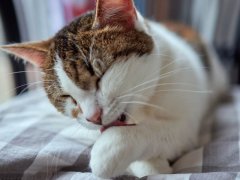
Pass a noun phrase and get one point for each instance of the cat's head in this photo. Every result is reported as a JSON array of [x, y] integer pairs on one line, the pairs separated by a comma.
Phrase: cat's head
[[96, 68]]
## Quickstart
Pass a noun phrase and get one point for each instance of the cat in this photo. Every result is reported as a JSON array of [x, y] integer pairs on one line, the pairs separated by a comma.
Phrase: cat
[[141, 87]]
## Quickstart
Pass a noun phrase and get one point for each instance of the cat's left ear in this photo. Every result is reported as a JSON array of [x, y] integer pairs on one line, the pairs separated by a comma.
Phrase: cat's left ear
[[115, 13], [33, 52]]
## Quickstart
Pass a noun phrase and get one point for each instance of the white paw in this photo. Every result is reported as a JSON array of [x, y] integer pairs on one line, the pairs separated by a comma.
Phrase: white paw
[[110, 155], [151, 167]]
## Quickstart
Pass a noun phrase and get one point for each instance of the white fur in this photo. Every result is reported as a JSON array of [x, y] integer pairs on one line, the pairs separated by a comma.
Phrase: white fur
[[174, 83], [86, 99]]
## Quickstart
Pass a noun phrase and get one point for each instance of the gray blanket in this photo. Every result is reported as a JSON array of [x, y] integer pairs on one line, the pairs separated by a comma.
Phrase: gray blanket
[[36, 142]]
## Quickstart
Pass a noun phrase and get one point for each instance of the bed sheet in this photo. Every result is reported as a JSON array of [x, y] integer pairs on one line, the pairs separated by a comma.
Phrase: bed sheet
[[37, 142]]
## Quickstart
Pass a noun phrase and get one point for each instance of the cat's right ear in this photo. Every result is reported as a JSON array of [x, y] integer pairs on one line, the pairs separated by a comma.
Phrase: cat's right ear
[[120, 13], [33, 52]]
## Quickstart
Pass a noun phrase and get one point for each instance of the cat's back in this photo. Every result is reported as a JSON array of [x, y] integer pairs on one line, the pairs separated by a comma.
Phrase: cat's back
[[206, 53], [184, 40], [174, 50]]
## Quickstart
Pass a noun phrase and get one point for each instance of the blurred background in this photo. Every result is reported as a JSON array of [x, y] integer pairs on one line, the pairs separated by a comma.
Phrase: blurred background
[[218, 21]]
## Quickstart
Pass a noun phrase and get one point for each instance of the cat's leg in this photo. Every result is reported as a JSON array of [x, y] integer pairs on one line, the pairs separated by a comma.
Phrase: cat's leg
[[118, 147], [112, 154], [150, 167]]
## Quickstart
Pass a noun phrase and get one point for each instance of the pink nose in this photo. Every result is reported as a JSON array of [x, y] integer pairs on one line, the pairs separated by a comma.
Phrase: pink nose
[[96, 117]]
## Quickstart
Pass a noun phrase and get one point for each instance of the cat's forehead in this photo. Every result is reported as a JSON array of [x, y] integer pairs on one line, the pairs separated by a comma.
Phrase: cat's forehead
[[114, 41], [88, 53]]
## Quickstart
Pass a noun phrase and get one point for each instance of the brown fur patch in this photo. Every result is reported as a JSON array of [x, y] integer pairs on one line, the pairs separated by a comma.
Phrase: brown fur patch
[[76, 112], [87, 53], [51, 83], [79, 46], [193, 38]]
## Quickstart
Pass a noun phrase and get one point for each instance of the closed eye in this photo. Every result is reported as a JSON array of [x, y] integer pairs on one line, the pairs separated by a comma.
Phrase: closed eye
[[66, 96], [97, 83]]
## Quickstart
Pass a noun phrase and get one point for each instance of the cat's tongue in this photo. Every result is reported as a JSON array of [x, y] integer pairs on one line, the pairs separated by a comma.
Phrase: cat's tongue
[[115, 123]]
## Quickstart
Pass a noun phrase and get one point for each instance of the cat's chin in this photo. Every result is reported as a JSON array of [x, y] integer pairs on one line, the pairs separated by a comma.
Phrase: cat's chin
[[116, 123], [88, 125], [121, 121]]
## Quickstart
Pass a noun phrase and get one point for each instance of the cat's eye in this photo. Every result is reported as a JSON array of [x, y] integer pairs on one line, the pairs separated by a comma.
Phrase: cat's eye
[[65, 96]]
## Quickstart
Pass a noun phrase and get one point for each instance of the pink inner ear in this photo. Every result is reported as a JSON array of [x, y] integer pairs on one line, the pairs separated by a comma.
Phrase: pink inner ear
[[115, 12], [33, 52], [33, 56]]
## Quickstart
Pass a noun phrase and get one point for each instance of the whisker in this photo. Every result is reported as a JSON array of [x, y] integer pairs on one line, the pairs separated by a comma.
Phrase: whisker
[[182, 70], [56, 94], [167, 65], [30, 85], [134, 121], [145, 104], [25, 85], [186, 91], [137, 95], [111, 107], [162, 55], [25, 89], [48, 88], [131, 117], [19, 72], [163, 84], [165, 75], [157, 78], [143, 83]]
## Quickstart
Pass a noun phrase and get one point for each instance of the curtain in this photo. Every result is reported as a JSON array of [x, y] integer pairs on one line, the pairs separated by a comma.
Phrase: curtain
[[6, 81]]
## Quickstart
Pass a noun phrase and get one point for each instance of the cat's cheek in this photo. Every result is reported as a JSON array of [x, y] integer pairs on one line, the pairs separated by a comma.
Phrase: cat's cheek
[[76, 112], [71, 109]]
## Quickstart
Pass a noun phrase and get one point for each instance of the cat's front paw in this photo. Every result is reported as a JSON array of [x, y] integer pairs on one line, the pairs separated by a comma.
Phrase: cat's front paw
[[150, 167], [110, 155], [101, 167]]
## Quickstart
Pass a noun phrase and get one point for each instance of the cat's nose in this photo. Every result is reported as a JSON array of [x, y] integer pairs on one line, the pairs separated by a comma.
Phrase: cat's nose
[[96, 117]]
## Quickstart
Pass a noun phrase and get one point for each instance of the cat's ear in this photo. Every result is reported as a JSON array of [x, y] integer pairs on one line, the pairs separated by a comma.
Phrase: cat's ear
[[115, 13], [33, 52]]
